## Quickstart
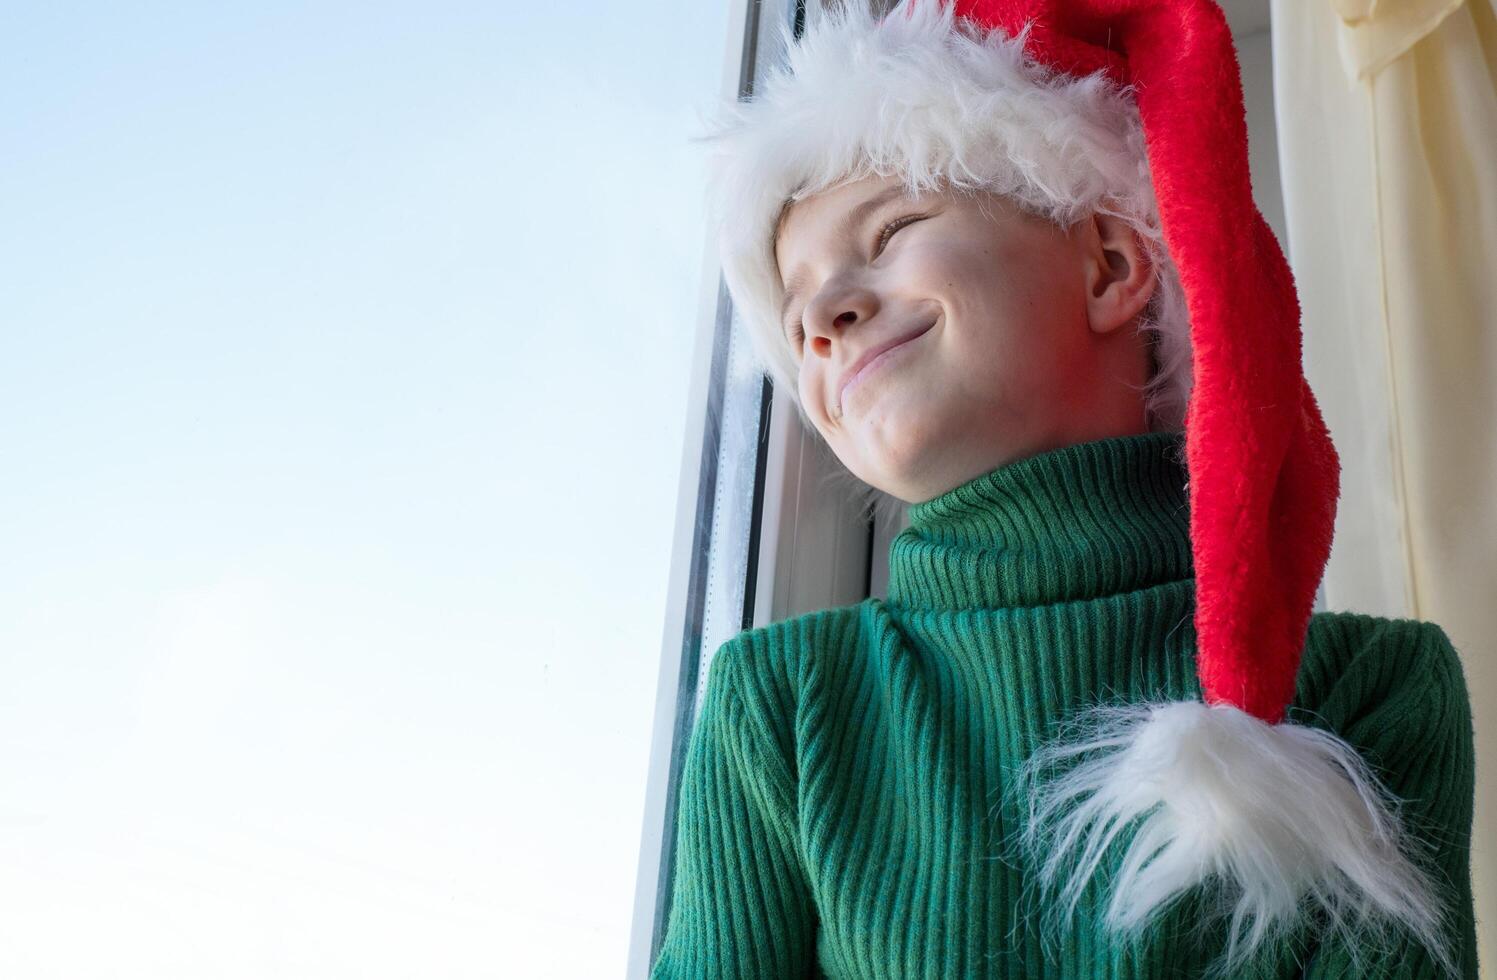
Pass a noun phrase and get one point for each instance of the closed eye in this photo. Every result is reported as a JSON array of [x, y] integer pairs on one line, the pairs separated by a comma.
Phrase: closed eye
[[887, 232]]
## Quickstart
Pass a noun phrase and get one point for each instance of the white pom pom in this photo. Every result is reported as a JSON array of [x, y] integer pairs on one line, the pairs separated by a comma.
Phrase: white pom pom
[[1274, 816]]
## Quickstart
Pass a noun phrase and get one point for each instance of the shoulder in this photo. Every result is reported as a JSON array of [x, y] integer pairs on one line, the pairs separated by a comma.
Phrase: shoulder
[[1364, 627], [1357, 655], [1395, 686], [766, 674], [786, 653]]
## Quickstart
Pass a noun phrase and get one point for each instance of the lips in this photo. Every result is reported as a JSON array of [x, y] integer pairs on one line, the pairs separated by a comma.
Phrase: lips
[[866, 359]]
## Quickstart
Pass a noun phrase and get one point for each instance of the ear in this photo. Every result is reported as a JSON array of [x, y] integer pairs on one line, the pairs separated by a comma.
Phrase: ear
[[1118, 275]]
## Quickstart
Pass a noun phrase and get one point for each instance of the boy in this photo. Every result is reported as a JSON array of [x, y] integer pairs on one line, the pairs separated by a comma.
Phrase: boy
[[1094, 731]]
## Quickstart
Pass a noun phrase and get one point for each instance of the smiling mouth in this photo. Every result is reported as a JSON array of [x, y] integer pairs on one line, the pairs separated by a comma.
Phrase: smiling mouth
[[877, 362]]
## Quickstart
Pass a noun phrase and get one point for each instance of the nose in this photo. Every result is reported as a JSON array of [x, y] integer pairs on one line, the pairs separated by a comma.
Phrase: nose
[[828, 315]]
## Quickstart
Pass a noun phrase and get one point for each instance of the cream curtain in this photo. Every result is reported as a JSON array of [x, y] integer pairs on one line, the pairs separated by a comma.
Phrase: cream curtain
[[1387, 124]]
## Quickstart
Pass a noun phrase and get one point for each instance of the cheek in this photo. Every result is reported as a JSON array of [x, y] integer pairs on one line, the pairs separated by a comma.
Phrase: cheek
[[971, 279], [1017, 308], [809, 386]]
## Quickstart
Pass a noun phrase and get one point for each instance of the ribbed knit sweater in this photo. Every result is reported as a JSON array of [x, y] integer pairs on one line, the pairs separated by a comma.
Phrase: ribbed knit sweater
[[843, 814]]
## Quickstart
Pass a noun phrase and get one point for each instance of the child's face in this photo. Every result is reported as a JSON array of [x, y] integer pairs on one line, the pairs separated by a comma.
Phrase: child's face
[[1007, 331]]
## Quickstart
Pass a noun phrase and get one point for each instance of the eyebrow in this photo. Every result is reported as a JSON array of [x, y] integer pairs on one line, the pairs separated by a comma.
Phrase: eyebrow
[[854, 219]]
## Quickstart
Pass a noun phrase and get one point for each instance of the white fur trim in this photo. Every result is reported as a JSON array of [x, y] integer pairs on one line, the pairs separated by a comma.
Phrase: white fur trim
[[1280, 818], [926, 96]]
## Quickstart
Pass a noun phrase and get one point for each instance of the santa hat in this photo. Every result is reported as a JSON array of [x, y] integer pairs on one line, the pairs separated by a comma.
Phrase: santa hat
[[1132, 107]]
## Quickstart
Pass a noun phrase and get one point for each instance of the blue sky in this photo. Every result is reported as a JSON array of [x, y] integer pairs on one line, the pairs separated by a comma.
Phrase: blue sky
[[342, 358]]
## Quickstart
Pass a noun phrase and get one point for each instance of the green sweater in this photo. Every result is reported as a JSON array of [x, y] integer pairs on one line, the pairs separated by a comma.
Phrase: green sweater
[[842, 810]]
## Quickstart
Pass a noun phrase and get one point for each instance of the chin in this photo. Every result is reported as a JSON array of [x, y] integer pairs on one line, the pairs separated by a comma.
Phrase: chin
[[892, 457]]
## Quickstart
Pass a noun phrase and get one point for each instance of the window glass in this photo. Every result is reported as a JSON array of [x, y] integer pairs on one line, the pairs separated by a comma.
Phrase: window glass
[[345, 356]]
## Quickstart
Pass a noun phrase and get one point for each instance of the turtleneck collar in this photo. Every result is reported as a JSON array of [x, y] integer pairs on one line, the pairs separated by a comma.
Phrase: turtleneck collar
[[1079, 522]]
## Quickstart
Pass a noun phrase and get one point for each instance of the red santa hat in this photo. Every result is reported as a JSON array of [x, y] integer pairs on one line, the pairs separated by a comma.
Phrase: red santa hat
[[1132, 107]]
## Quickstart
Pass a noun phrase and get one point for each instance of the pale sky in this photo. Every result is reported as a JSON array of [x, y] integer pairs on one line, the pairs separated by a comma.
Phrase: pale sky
[[343, 368]]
